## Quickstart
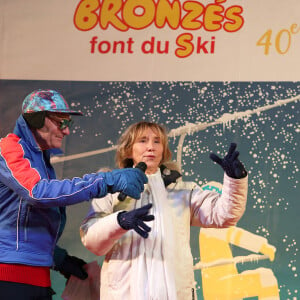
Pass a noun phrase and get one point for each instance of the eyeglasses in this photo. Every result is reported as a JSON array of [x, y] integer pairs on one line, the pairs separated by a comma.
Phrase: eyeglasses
[[62, 123]]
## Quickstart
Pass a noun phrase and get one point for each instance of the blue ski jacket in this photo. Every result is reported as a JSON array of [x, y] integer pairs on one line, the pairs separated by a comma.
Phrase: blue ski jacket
[[32, 200]]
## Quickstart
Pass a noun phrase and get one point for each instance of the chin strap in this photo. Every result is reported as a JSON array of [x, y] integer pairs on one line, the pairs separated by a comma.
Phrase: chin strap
[[169, 176]]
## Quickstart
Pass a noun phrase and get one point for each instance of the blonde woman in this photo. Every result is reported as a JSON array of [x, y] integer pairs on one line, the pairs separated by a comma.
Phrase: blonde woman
[[146, 242]]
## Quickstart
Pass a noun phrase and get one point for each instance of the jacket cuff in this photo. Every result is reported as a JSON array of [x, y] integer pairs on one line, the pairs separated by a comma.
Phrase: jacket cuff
[[101, 236]]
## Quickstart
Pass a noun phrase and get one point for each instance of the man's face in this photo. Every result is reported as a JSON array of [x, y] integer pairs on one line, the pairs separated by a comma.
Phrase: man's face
[[51, 135]]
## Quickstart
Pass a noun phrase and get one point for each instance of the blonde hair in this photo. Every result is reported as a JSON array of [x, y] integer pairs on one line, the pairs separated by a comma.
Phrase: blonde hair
[[127, 139]]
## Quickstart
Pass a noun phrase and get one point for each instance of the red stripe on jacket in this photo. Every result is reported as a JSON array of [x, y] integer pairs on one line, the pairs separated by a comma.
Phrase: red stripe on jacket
[[20, 167]]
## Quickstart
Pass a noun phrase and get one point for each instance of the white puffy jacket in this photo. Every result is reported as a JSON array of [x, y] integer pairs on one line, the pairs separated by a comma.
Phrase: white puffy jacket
[[123, 271]]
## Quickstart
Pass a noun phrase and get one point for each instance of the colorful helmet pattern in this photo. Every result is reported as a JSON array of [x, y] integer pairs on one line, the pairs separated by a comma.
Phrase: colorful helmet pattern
[[46, 100]]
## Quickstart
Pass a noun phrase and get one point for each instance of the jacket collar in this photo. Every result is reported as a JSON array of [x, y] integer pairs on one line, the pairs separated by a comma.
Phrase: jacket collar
[[169, 176]]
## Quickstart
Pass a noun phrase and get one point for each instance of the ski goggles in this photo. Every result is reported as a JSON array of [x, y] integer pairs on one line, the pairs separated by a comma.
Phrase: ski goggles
[[61, 123]]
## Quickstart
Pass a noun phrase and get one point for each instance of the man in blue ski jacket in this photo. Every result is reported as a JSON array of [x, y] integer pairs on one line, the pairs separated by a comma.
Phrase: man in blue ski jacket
[[33, 201]]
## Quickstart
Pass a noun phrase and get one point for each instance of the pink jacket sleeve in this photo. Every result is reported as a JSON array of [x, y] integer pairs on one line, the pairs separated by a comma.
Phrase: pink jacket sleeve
[[211, 209]]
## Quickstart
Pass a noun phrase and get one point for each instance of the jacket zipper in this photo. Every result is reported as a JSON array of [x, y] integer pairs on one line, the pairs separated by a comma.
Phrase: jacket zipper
[[18, 222]]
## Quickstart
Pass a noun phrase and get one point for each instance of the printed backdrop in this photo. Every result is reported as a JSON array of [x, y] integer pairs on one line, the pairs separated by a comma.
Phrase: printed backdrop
[[212, 72]]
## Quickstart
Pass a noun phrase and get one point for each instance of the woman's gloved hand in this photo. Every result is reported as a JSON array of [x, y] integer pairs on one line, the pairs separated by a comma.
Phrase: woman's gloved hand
[[135, 219], [230, 163]]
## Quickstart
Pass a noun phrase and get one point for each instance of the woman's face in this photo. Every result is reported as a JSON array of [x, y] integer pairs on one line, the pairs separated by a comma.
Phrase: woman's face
[[148, 148]]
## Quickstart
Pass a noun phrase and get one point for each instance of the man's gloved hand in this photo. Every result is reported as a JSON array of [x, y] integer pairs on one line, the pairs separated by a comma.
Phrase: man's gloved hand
[[230, 163], [135, 219], [72, 265], [130, 181]]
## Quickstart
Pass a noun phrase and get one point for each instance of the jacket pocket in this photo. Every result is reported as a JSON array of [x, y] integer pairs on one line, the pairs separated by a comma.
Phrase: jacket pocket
[[28, 209]]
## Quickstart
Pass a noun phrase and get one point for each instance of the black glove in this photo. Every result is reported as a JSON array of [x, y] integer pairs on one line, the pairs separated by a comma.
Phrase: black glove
[[230, 163], [135, 219], [72, 265]]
